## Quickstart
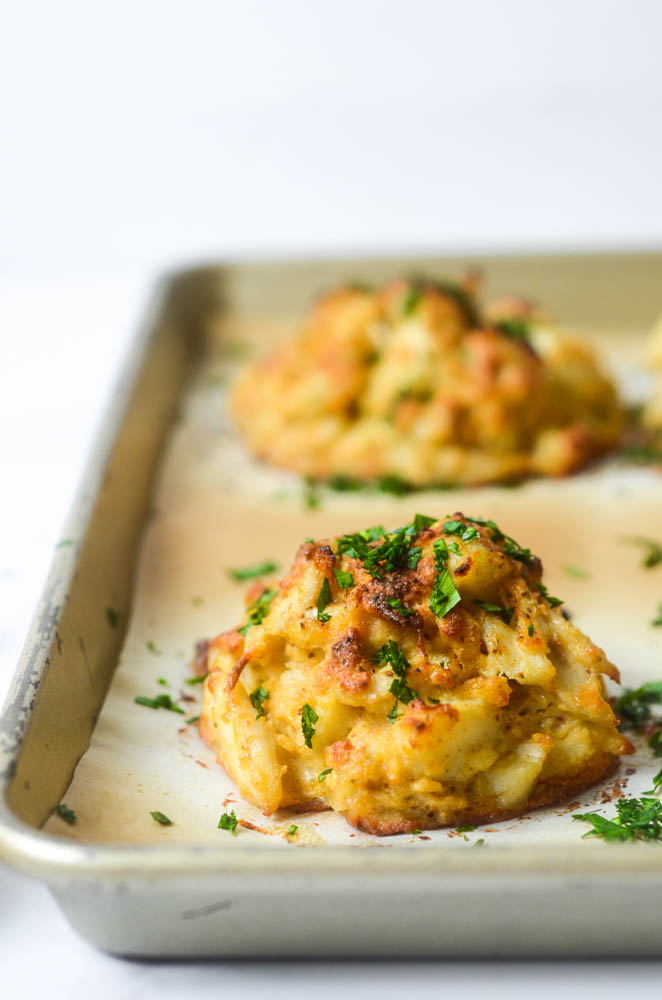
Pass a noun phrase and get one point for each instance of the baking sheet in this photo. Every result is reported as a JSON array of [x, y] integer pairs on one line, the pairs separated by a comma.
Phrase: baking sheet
[[216, 508]]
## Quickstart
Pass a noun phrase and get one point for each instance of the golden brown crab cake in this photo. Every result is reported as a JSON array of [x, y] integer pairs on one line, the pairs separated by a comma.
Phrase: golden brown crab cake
[[410, 679], [410, 381], [653, 411]]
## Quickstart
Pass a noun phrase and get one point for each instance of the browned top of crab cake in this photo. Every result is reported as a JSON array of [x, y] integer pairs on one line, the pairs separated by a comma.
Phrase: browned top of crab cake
[[410, 679]]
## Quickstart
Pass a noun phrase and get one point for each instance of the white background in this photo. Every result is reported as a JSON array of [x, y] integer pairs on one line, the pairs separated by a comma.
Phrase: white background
[[141, 134]]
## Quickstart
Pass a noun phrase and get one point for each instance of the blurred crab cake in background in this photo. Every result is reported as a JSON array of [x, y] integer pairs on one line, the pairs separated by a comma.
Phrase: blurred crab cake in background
[[409, 679], [412, 381], [653, 411]]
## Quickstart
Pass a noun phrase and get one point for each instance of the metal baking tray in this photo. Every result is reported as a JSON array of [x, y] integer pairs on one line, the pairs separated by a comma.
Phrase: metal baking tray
[[198, 896]]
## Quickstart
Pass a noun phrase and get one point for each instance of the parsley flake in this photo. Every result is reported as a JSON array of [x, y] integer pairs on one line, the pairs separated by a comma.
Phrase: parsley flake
[[198, 679], [258, 698], [253, 572], [394, 485], [292, 830], [514, 327], [324, 598], [633, 707], [530, 628], [504, 613], [391, 654], [652, 550], [192, 720], [259, 609], [65, 813], [161, 818], [113, 617], [322, 775], [311, 497], [397, 605], [161, 701], [445, 594], [152, 647], [554, 602], [343, 579], [658, 619], [228, 821], [657, 783], [577, 572], [411, 300], [308, 719]]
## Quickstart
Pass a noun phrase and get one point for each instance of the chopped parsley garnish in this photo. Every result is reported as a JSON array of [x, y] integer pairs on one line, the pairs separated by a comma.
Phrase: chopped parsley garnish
[[252, 572], [322, 775], [657, 784], [397, 605], [292, 830], [652, 550], [65, 813], [344, 484], [161, 818], [161, 701], [343, 579], [308, 719], [464, 829], [480, 842], [633, 707], [258, 698], [199, 679], [391, 654], [192, 720], [514, 326], [391, 555], [510, 546], [394, 485], [658, 619], [445, 594], [554, 602], [197, 601], [162, 681], [530, 628], [504, 613], [152, 647], [636, 819], [577, 572], [643, 454], [64, 543], [228, 821], [324, 598], [113, 616], [466, 531], [311, 497], [411, 300], [259, 609], [414, 556], [655, 743], [421, 521]]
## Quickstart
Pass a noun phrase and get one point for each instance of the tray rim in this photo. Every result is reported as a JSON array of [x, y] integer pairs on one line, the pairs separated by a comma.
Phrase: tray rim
[[57, 859]]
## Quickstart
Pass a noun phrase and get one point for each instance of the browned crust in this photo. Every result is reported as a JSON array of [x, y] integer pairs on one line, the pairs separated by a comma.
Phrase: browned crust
[[235, 673], [547, 793], [347, 663]]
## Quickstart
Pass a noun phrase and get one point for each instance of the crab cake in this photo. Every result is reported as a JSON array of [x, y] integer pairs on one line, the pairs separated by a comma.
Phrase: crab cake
[[411, 381], [410, 679], [653, 412]]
